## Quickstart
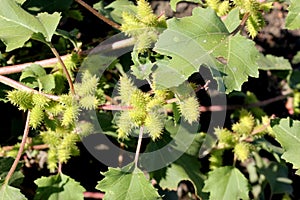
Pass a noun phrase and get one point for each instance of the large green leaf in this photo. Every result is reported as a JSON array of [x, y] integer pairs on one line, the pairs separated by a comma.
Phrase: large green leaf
[[203, 39], [58, 187], [119, 184], [293, 17], [226, 183], [288, 135], [10, 193], [17, 25]]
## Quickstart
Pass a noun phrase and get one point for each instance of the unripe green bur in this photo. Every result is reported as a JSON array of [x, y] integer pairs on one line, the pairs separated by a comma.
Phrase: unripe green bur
[[20, 98], [36, 117], [189, 109], [226, 137], [154, 125], [124, 125], [242, 151], [139, 101], [245, 125]]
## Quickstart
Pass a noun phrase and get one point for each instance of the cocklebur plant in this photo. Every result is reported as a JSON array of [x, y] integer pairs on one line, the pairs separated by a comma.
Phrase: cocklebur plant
[[169, 107]]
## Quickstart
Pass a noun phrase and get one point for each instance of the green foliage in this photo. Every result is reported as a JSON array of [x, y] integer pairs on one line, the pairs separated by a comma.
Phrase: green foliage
[[185, 168], [17, 177], [287, 133], [18, 25], [244, 158], [127, 185], [35, 76], [58, 187], [226, 183], [10, 193], [293, 18], [213, 47]]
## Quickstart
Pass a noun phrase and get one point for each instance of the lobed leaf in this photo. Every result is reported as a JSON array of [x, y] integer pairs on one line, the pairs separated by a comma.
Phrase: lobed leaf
[[119, 184], [203, 39]]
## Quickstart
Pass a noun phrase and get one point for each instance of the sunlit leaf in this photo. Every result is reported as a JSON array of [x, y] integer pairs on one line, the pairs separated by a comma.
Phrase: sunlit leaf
[[203, 39], [119, 184], [226, 183]]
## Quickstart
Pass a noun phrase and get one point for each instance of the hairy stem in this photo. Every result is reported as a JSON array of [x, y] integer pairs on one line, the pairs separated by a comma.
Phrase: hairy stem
[[97, 14], [64, 68], [138, 148], [14, 84], [14, 166]]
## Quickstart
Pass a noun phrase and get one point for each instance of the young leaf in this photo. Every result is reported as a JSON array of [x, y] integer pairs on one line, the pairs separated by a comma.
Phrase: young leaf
[[58, 187], [288, 135], [119, 184], [226, 183], [293, 17], [10, 193], [17, 25], [203, 39]]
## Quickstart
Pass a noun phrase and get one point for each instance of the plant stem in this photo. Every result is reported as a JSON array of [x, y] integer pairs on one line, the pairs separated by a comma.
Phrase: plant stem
[[20, 86], [241, 25], [97, 14], [14, 166], [64, 68], [20, 67], [59, 169], [138, 148]]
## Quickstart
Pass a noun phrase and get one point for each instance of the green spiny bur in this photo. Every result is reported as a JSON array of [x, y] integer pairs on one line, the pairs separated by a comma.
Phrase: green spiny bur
[[88, 102], [36, 117], [124, 124], [154, 124], [189, 109], [20, 98], [70, 115]]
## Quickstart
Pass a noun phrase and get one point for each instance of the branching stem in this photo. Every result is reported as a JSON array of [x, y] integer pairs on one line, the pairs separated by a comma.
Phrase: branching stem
[[16, 161], [138, 148]]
